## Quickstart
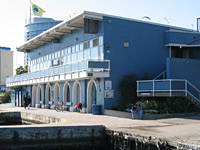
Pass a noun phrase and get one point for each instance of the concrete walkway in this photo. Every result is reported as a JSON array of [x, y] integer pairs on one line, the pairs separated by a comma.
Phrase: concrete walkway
[[185, 130]]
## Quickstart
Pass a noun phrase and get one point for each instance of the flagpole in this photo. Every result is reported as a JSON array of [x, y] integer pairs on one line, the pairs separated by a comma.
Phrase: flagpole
[[30, 22]]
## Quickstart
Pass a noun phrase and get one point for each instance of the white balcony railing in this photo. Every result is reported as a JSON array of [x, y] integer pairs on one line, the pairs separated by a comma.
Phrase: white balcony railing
[[75, 70]]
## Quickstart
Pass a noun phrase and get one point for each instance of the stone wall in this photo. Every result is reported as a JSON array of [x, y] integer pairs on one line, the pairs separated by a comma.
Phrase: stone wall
[[88, 137]]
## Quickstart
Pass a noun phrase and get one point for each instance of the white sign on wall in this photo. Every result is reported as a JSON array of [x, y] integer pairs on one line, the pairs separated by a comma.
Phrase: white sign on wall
[[108, 85], [109, 93]]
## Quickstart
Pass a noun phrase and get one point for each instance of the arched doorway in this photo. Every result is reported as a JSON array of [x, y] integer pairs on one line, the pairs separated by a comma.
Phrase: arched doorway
[[76, 93], [91, 95], [47, 95], [39, 96], [33, 99], [66, 93], [56, 93]]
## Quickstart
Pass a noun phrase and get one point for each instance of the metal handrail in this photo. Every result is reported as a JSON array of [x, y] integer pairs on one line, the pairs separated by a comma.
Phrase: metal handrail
[[186, 89], [161, 74]]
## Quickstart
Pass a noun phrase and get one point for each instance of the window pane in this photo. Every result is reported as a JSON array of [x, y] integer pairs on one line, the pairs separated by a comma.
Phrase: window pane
[[66, 51], [87, 54], [49, 63], [91, 43], [69, 59], [80, 56], [49, 56], [69, 50], [62, 53], [52, 56], [74, 57], [58, 53], [81, 46], [77, 47], [101, 52], [96, 42], [101, 40], [61, 61], [65, 59], [73, 49], [86, 45], [94, 53]]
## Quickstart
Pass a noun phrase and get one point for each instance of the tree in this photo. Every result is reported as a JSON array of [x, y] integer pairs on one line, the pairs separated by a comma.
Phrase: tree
[[127, 88], [21, 70]]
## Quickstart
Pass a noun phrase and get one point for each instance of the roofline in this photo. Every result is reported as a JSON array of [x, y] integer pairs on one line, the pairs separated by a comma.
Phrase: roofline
[[43, 22], [88, 14], [182, 45], [142, 21]]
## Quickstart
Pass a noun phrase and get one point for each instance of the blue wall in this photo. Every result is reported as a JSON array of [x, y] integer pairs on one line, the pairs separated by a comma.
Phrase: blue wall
[[65, 41], [180, 37], [184, 69], [146, 52]]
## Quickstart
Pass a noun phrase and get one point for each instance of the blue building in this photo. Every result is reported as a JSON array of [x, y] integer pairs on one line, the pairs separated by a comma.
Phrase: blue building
[[83, 59], [36, 27]]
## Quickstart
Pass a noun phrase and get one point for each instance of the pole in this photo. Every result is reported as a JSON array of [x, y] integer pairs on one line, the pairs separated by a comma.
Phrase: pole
[[30, 22]]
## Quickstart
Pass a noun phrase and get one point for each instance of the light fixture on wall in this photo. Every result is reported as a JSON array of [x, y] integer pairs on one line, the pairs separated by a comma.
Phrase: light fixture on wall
[[76, 39]]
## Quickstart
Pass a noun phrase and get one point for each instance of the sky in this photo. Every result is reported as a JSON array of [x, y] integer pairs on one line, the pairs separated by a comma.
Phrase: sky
[[182, 13]]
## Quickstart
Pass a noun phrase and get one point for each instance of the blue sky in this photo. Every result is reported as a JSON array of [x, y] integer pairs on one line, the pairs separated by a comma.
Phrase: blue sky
[[182, 13]]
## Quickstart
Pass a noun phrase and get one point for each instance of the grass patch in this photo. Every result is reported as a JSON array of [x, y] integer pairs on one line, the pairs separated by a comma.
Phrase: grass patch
[[2, 94]]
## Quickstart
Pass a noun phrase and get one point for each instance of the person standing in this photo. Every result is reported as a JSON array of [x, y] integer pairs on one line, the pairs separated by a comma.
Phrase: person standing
[[137, 109], [25, 101], [29, 101]]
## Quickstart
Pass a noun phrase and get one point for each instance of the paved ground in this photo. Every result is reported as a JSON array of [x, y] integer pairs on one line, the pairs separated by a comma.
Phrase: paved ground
[[185, 130]]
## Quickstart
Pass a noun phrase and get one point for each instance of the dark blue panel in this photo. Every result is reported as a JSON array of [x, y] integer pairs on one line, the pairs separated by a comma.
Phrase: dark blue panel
[[178, 85], [145, 86], [193, 91], [96, 64], [162, 85], [180, 37], [188, 69]]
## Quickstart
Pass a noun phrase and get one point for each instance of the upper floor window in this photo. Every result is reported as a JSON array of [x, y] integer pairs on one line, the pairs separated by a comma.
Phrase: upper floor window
[[86, 45], [77, 48], [96, 42], [90, 26], [73, 49]]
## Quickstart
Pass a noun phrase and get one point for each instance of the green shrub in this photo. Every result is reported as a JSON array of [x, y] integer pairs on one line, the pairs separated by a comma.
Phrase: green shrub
[[6, 97], [127, 88]]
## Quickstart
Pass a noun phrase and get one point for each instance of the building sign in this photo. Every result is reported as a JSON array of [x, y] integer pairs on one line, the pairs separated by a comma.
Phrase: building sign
[[109, 93], [108, 85]]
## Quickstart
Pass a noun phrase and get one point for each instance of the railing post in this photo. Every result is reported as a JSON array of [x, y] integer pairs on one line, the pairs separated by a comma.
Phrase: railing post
[[170, 86], [153, 88], [186, 88], [137, 88]]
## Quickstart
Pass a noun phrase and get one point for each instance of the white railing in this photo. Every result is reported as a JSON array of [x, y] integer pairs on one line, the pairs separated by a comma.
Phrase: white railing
[[57, 70], [162, 74], [153, 87]]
